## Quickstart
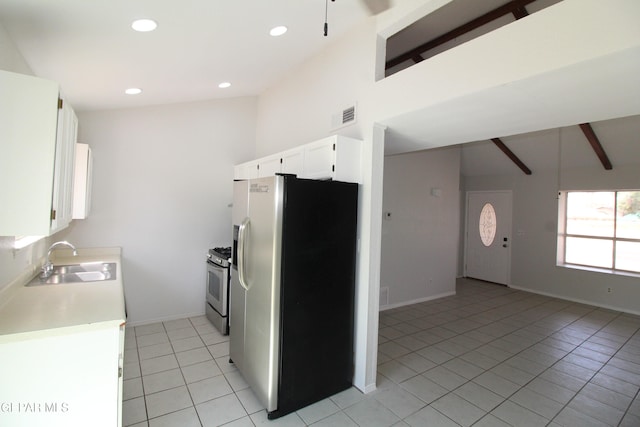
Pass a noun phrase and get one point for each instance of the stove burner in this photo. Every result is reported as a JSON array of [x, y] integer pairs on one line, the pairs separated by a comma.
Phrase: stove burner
[[221, 252]]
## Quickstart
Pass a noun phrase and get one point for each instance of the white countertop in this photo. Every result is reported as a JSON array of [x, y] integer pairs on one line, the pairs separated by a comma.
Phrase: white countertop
[[36, 311]]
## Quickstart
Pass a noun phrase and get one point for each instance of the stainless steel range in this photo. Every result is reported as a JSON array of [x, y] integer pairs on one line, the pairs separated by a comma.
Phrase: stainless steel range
[[217, 306]]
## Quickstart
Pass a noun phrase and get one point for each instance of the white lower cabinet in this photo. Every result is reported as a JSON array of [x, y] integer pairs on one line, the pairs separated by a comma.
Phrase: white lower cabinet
[[66, 378], [336, 157]]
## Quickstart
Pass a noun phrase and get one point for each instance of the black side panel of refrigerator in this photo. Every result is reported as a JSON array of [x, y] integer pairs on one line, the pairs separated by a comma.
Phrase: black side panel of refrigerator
[[317, 291]]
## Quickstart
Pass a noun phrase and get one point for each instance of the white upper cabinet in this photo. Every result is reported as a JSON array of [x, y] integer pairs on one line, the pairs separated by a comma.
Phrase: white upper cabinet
[[336, 157], [63, 174], [247, 170], [82, 182], [292, 161], [269, 166], [36, 173]]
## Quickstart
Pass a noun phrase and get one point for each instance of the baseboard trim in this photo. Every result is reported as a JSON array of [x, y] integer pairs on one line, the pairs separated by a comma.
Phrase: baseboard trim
[[369, 388], [164, 319], [578, 300], [416, 301]]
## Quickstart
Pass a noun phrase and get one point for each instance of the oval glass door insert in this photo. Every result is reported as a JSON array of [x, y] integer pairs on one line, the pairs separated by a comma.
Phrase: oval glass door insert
[[487, 224]]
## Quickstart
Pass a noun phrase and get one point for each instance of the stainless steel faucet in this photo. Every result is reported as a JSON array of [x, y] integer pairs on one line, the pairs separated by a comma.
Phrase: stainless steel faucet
[[47, 268]]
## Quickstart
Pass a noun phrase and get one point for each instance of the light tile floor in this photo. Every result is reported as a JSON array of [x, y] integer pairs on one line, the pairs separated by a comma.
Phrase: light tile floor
[[489, 356]]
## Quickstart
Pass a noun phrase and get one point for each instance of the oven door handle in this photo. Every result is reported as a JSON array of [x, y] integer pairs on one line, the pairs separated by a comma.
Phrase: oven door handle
[[243, 231]]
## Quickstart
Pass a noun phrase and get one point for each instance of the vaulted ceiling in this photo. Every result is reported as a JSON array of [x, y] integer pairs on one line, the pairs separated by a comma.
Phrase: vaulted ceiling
[[457, 23], [565, 147], [89, 48]]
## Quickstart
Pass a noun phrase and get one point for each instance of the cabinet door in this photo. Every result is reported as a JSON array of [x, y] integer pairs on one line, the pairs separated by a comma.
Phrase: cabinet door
[[62, 200], [120, 373], [247, 170], [348, 160], [319, 159], [269, 166], [240, 171], [28, 123], [75, 374], [292, 162], [82, 182]]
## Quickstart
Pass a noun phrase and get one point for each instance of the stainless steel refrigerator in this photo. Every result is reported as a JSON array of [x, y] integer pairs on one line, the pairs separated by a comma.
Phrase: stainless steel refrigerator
[[292, 289]]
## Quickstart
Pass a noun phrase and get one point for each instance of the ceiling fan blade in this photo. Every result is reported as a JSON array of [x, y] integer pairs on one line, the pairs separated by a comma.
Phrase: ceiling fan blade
[[377, 6]]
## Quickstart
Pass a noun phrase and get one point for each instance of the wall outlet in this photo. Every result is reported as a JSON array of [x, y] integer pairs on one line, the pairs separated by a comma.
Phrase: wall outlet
[[609, 290]]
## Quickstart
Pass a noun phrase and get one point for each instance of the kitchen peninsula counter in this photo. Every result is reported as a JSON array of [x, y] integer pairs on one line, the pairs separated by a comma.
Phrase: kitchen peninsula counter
[[31, 311], [62, 348]]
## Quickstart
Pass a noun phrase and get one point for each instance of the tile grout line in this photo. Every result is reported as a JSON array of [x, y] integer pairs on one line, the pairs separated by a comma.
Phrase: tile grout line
[[618, 315], [193, 403], [626, 412], [594, 309], [487, 343], [589, 380], [500, 316]]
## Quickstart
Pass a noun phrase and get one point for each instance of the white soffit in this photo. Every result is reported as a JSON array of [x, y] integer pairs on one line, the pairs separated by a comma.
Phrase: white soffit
[[519, 79], [593, 91]]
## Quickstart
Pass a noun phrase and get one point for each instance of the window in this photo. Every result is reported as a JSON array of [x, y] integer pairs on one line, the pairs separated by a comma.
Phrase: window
[[600, 229], [487, 224]]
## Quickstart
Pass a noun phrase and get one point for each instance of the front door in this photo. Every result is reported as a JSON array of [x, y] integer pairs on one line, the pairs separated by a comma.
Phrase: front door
[[488, 236]]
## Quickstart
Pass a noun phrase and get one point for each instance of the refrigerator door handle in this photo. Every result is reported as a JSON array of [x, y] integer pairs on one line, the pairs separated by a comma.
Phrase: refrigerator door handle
[[242, 236]]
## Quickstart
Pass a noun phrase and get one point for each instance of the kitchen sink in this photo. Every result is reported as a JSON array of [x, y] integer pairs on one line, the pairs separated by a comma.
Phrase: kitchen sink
[[78, 273]]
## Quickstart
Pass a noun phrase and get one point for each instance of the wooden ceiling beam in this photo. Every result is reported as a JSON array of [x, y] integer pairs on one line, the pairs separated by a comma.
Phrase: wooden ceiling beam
[[595, 144], [515, 7], [520, 12], [510, 154], [417, 58]]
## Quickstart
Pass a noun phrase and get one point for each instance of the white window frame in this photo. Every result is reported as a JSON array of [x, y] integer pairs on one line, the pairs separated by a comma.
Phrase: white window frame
[[562, 235]]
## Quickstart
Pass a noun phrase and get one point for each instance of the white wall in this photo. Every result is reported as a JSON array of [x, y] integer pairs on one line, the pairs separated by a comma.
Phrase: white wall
[[569, 63], [159, 213], [535, 216], [420, 238], [298, 110], [161, 191], [10, 57]]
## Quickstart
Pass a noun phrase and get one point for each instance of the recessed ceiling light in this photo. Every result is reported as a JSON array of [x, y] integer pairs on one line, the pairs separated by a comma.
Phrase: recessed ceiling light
[[133, 91], [224, 85], [278, 31], [144, 25]]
